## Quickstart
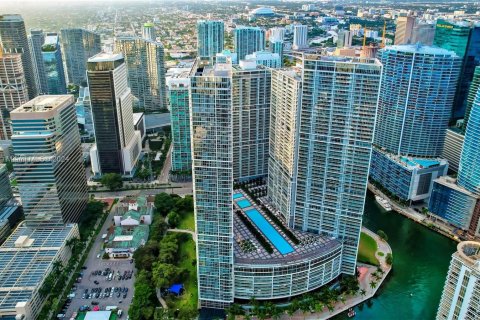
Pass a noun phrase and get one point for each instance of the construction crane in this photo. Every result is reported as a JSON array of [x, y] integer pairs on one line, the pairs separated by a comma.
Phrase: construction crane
[[384, 42]]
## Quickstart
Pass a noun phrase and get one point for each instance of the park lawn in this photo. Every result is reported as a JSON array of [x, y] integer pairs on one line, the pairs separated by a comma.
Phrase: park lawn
[[366, 250], [187, 221], [187, 257]]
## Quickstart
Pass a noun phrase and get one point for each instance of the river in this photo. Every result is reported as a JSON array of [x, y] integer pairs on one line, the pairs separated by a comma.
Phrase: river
[[421, 258]]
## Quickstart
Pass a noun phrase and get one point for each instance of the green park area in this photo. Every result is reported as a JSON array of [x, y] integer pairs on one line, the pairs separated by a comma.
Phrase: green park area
[[367, 249]]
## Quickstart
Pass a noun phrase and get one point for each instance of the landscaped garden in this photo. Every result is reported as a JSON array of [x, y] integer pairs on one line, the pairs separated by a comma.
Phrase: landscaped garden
[[367, 249]]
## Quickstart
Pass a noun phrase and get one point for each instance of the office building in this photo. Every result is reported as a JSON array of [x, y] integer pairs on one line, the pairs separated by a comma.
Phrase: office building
[[78, 45], [452, 148], [84, 113], [404, 30], [210, 38], [49, 165], [13, 89], [408, 178], [472, 93], [145, 71], [265, 58], [139, 124], [415, 103], [37, 40], [423, 33], [462, 287], [53, 66], [464, 39], [148, 31], [178, 87], [13, 38], [248, 40], [345, 38], [212, 144], [300, 37], [118, 145]]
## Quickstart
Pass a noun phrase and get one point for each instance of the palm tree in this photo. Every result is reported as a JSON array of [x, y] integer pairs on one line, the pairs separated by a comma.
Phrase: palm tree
[[363, 292], [342, 298], [373, 284]]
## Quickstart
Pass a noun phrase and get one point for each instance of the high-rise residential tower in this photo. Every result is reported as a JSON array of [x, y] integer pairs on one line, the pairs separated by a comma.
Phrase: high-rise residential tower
[[13, 38], [423, 33], [300, 37], [416, 98], [472, 93], [145, 71], [37, 39], [48, 161], [78, 45], [13, 89], [148, 31], [118, 145], [345, 38], [403, 33], [248, 40], [210, 38], [462, 287], [53, 66]]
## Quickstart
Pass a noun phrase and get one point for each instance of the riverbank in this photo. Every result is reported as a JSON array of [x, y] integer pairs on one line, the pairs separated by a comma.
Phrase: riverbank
[[433, 224]]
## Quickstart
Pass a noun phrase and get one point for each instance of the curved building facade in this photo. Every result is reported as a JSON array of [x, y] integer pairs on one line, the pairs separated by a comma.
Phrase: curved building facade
[[416, 97]]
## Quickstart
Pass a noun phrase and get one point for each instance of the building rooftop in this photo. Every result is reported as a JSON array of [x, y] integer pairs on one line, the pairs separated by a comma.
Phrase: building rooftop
[[217, 70], [469, 251], [421, 49], [44, 106], [11, 17], [105, 56], [414, 163], [124, 239], [451, 183]]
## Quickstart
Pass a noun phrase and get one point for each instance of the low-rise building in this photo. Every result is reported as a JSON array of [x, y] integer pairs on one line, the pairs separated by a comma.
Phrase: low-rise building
[[410, 179], [133, 212]]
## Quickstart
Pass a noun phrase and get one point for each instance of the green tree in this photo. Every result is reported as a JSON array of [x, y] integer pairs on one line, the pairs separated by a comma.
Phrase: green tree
[[363, 292], [373, 284], [173, 219], [164, 203], [389, 258], [113, 181], [145, 256], [143, 303], [165, 274], [382, 235]]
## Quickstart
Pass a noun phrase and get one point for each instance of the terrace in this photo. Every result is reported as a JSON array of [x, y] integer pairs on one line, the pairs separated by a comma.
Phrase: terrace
[[263, 239]]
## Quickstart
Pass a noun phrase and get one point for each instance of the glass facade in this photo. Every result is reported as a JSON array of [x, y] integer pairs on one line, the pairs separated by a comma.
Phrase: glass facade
[[248, 40], [146, 71], [180, 120], [472, 93], [53, 66], [210, 38], [416, 98]]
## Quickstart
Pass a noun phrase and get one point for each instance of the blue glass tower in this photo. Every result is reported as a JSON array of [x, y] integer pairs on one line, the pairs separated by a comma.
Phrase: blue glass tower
[[248, 40], [53, 65], [210, 38]]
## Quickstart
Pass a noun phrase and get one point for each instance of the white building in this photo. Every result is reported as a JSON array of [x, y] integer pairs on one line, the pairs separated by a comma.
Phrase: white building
[[300, 37], [265, 58]]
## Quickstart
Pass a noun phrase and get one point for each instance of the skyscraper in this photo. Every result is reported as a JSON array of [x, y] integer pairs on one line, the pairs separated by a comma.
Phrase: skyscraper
[[345, 38], [462, 287], [472, 93], [210, 38], [276, 42], [464, 39], [118, 145], [404, 30], [300, 37], [248, 40], [416, 98], [145, 71], [78, 45], [37, 39], [178, 87], [148, 31], [212, 156], [423, 33], [48, 161], [13, 38], [53, 66], [13, 89]]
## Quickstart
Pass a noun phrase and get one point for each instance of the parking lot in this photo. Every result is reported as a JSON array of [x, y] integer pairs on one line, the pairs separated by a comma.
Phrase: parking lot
[[104, 282]]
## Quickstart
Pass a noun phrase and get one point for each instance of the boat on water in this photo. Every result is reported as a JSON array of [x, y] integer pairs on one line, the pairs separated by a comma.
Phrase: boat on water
[[351, 313], [384, 203]]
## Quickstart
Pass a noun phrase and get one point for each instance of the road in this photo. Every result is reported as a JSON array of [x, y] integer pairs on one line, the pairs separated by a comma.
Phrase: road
[[164, 175], [181, 189]]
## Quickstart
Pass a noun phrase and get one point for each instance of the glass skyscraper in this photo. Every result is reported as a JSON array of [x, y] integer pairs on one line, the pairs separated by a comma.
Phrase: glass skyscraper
[[416, 98], [210, 38], [248, 40], [13, 38], [472, 93], [146, 71], [53, 65], [48, 161], [37, 39], [79, 45]]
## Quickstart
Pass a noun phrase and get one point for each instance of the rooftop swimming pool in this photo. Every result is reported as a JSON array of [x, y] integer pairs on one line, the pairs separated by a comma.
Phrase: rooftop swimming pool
[[244, 203], [269, 231], [237, 196]]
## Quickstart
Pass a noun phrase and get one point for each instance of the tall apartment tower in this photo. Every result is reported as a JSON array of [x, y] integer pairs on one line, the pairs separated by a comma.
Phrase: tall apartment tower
[[118, 145], [464, 39], [180, 119], [276, 41], [416, 98], [345, 38], [404, 31], [423, 33], [212, 157], [13, 38], [300, 37], [53, 66], [148, 31], [48, 161], [37, 39], [248, 40], [78, 46], [472, 93], [322, 135], [210, 38], [145, 71], [13, 89], [462, 287]]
